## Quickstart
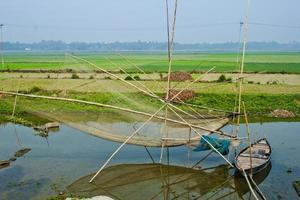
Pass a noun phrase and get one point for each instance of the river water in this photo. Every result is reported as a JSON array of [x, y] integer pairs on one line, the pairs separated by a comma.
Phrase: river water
[[67, 155]]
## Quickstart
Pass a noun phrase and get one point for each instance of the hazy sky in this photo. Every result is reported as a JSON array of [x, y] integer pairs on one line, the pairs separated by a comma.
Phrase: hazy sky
[[131, 20]]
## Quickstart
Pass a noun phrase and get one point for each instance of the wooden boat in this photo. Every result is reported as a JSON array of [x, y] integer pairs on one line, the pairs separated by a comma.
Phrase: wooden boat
[[257, 157]]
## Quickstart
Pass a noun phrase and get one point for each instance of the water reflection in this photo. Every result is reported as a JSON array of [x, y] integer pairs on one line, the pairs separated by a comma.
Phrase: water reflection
[[151, 181], [156, 181], [73, 154], [241, 184]]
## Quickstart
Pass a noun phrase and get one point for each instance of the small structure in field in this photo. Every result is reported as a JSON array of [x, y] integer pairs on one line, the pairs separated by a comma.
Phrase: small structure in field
[[179, 76], [282, 114], [181, 95]]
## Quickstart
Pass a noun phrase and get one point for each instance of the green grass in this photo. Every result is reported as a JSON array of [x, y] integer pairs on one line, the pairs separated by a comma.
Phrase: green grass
[[85, 85], [258, 105], [157, 62]]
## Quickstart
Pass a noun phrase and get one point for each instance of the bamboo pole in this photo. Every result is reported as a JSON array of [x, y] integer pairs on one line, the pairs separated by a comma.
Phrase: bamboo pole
[[1, 45], [249, 138], [242, 65], [170, 46], [119, 148]]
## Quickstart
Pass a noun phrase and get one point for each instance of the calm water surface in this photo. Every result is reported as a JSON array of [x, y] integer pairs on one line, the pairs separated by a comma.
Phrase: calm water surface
[[67, 155]]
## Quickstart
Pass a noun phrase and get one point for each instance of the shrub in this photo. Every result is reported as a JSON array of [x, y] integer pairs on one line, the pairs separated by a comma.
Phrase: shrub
[[250, 82], [91, 77], [74, 76], [48, 76], [161, 76], [35, 89], [107, 78], [137, 77], [283, 72], [128, 78], [222, 78], [229, 80]]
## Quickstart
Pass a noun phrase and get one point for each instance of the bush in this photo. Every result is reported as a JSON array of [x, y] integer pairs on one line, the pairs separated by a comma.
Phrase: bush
[[128, 78], [74, 76], [48, 76], [250, 82], [91, 77], [283, 72], [107, 78], [137, 77], [35, 89], [229, 80], [222, 78]]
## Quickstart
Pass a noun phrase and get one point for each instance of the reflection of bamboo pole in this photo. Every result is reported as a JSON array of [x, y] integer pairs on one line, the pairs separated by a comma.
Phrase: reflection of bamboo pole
[[248, 134], [249, 185], [119, 148], [116, 108]]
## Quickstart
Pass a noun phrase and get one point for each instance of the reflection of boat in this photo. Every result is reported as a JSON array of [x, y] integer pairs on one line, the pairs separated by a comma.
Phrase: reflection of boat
[[4, 163], [241, 185], [254, 158], [150, 181]]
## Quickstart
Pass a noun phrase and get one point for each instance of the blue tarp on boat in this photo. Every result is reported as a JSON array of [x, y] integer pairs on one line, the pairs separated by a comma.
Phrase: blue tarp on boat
[[222, 145]]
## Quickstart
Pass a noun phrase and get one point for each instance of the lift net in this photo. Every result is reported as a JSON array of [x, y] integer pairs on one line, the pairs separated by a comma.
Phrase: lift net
[[113, 108]]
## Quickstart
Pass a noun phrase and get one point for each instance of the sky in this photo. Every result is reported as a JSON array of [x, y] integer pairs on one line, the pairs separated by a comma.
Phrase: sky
[[198, 21]]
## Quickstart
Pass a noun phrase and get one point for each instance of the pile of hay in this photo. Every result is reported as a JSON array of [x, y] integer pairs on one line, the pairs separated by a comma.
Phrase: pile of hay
[[183, 96], [282, 114], [179, 76]]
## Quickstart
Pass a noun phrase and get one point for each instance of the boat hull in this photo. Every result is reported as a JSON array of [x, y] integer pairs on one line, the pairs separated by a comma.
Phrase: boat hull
[[259, 160]]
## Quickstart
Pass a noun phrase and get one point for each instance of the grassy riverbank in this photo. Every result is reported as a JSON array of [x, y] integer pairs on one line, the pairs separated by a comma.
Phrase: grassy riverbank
[[258, 105]]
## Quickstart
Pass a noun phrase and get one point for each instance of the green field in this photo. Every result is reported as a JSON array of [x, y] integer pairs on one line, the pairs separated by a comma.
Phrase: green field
[[156, 61]]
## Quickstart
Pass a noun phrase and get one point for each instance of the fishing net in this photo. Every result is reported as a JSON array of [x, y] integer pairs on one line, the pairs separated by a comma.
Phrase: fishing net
[[222, 145], [114, 108]]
